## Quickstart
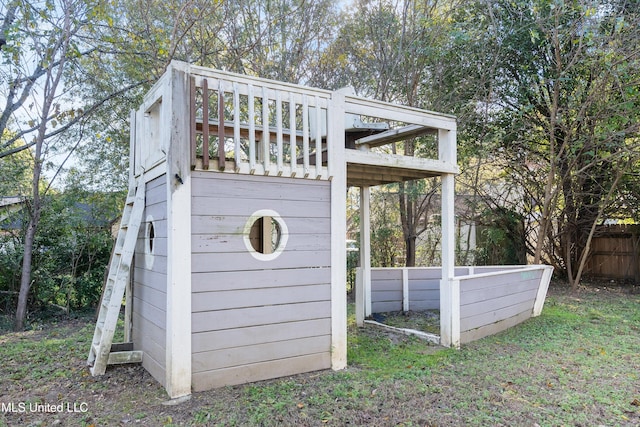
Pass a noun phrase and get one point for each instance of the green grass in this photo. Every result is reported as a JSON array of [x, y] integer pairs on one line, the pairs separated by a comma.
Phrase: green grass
[[576, 364]]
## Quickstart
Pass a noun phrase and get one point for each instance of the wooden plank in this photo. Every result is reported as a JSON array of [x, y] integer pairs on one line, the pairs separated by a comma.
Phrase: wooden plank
[[293, 146], [287, 208], [255, 316], [487, 318], [123, 357], [217, 243], [393, 274], [205, 130], [224, 300], [419, 274], [489, 294], [385, 285], [155, 315], [252, 129], [145, 331], [498, 303], [282, 188], [236, 123], [266, 155], [202, 263], [260, 371], [257, 279], [192, 117], [154, 279], [493, 328], [204, 224], [258, 353], [239, 337], [221, 137], [394, 135], [382, 296], [152, 296], [386, 306], [416, 285]]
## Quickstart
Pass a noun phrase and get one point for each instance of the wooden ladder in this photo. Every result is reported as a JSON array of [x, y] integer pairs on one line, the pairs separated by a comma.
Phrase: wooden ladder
[[102, 352]]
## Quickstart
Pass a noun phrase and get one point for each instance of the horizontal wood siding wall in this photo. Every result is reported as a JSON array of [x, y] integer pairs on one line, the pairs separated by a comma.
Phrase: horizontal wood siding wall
[[150, 281], [255, 319], [424, 288], [386, 290], [489, 304]]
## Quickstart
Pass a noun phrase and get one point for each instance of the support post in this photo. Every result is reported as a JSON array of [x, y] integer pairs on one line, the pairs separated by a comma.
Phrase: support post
[[338, 167], [178, 321], [405, 289], [365, 247], [449, 287]]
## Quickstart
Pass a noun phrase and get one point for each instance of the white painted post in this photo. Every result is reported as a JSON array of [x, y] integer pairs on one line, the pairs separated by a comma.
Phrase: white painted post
[[279, 137], [405, 289], [319, 138], [359, 297], [335, 136], [292, 133], [252, 130], [547, 272], [305, 135], [178, 321], [449, 287], [365, 246], [266, 158], [236, 126]]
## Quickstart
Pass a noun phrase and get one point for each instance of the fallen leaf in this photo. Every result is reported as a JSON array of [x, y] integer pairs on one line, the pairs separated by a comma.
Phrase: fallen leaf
[[635, 402], [300, 405]]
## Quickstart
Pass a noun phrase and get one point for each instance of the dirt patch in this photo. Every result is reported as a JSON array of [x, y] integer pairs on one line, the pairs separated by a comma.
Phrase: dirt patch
[[420, 320]]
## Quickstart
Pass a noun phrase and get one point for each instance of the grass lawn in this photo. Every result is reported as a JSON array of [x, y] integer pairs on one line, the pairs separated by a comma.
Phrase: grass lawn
[[576, 364]]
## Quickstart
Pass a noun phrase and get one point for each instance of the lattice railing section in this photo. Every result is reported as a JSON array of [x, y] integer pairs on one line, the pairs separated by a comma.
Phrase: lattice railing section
[[258, 128]]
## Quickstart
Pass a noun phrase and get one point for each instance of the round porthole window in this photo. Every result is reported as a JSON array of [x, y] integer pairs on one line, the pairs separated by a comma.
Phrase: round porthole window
[[265, 235], [149, 242]]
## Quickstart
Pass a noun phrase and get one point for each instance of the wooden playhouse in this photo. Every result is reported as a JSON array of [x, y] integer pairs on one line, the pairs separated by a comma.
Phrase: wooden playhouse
[[231, 255]]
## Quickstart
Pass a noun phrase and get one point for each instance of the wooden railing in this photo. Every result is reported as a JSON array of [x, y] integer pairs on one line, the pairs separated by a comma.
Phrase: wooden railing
[[258, 128]]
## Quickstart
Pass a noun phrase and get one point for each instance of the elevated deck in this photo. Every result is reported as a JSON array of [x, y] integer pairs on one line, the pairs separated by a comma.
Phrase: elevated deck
[[242, 124]]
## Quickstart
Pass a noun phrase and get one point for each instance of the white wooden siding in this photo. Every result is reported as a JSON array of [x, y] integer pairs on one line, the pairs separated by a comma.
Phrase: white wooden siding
[[253, 319], [494, 302], [149, 289]]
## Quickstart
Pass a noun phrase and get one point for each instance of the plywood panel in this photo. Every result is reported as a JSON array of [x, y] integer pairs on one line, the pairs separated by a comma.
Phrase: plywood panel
[[241, 337], [223, 300], [243, 317], [256, 353], [260, 371]]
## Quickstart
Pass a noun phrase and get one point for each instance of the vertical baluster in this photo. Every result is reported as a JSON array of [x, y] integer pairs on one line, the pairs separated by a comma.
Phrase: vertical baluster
[[292, 132], [305, 135], [205, 124], [318, 138], [236, 125], [252, 130], [192, 120], [265, 130], [279, 138], [221, 153]]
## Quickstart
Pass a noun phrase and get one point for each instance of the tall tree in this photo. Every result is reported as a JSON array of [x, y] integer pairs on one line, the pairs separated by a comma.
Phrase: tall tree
[[567, 104]]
